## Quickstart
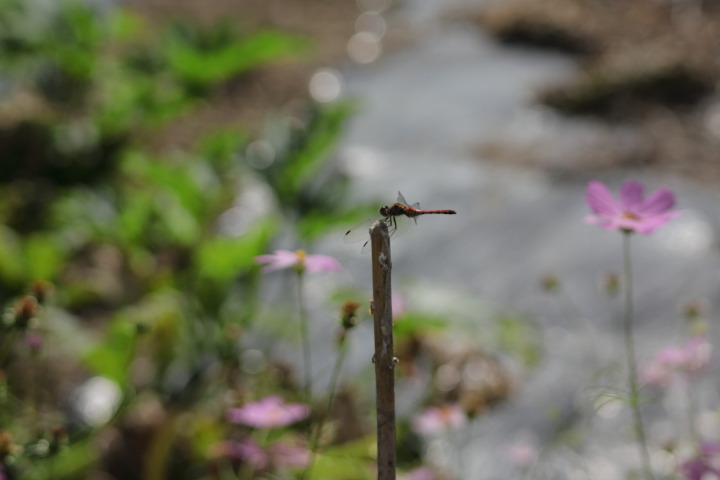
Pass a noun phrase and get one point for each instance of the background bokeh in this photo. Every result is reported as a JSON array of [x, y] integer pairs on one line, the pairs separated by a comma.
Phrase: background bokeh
[[151, 150]]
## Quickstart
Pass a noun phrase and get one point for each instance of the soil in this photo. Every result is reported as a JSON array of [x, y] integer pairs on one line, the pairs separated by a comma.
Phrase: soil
[[247, 100], [648, 72]]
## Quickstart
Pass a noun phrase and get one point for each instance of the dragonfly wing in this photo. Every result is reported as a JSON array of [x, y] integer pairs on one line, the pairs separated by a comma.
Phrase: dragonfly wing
[[400, 225], [366, 247], [402, 200], [396, 226], [359, 232]]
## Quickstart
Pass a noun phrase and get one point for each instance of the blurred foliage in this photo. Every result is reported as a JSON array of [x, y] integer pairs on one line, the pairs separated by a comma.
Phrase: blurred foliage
[[204, 58], [152, 254], [125, 368]]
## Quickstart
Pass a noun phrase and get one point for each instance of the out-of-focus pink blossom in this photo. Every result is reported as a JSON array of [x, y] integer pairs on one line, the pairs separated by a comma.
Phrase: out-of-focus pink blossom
[[705, 465], [279, 455], [633, 212], [33, 340], [677, 362], [435, 420], [698, 353], [282, 259], [421, 473], [270, 412], [522, 454], [249, 451], [399, 305]]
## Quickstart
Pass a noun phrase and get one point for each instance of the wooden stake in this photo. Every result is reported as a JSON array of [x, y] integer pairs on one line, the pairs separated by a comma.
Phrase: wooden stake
[[384, 356]]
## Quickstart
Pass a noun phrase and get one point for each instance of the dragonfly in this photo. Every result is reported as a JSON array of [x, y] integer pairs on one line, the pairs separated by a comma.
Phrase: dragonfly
[[395, 216]]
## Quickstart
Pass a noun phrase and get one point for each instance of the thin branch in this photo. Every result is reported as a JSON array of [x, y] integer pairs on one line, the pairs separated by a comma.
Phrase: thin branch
[[384, 356]]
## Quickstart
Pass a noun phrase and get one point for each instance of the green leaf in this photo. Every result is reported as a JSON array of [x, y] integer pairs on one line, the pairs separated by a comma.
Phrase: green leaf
[[134, 216], [220, 148], [44, 256], [125, 25], [204, 67], [223, 258], [12, 266], [111, 357], [182, 226], [417, 323], [72, 461], [323, 132], [349, 461], [518, 336]]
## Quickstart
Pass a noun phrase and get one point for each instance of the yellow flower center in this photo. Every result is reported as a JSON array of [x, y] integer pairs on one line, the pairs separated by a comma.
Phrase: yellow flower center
[[446, 414], [300, 265], [630, 216]]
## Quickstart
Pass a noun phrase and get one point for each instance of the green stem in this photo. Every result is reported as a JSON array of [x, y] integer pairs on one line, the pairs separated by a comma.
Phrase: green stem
[[323, 416], [156, 458], [247, 470], [307, 384], [631, 360], [692, 411], [6, 344]]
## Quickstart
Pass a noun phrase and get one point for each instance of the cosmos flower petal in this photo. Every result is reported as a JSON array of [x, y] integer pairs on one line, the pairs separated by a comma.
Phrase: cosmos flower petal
[[660, 201], [600, 199], [282, 259], [631, 195], [606, 222], [634, 213], [422, 473], [321, 263], [704, 464], [249, 451], [270, 412], [277, 261], [650, 224], [697, 354], [435, 420]]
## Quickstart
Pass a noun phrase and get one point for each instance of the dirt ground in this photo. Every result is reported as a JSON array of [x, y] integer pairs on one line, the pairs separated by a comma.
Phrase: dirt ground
[[648, 67], [246, 101]]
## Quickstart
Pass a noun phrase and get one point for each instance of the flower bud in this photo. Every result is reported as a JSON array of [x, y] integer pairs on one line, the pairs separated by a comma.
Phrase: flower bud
[[550, 283], [26, 309], [41, 290]]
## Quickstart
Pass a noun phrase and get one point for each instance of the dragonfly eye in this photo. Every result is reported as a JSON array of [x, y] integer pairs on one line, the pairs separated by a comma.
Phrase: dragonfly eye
[[385, 211]]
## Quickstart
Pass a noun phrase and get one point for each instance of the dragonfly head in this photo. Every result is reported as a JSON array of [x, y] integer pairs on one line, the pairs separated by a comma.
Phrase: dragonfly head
[[385, 211]]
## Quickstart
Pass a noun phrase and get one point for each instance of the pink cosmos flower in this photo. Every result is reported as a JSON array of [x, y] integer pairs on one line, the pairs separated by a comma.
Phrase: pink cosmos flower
[[705, 465], [661, 369], [280, 455], [633, 212], [270, 412], [421, 473], [438, 419], [248, 451], [698, 353], [522, 454], [33, 340], [677, 362], [399, 305], [282, 259]]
